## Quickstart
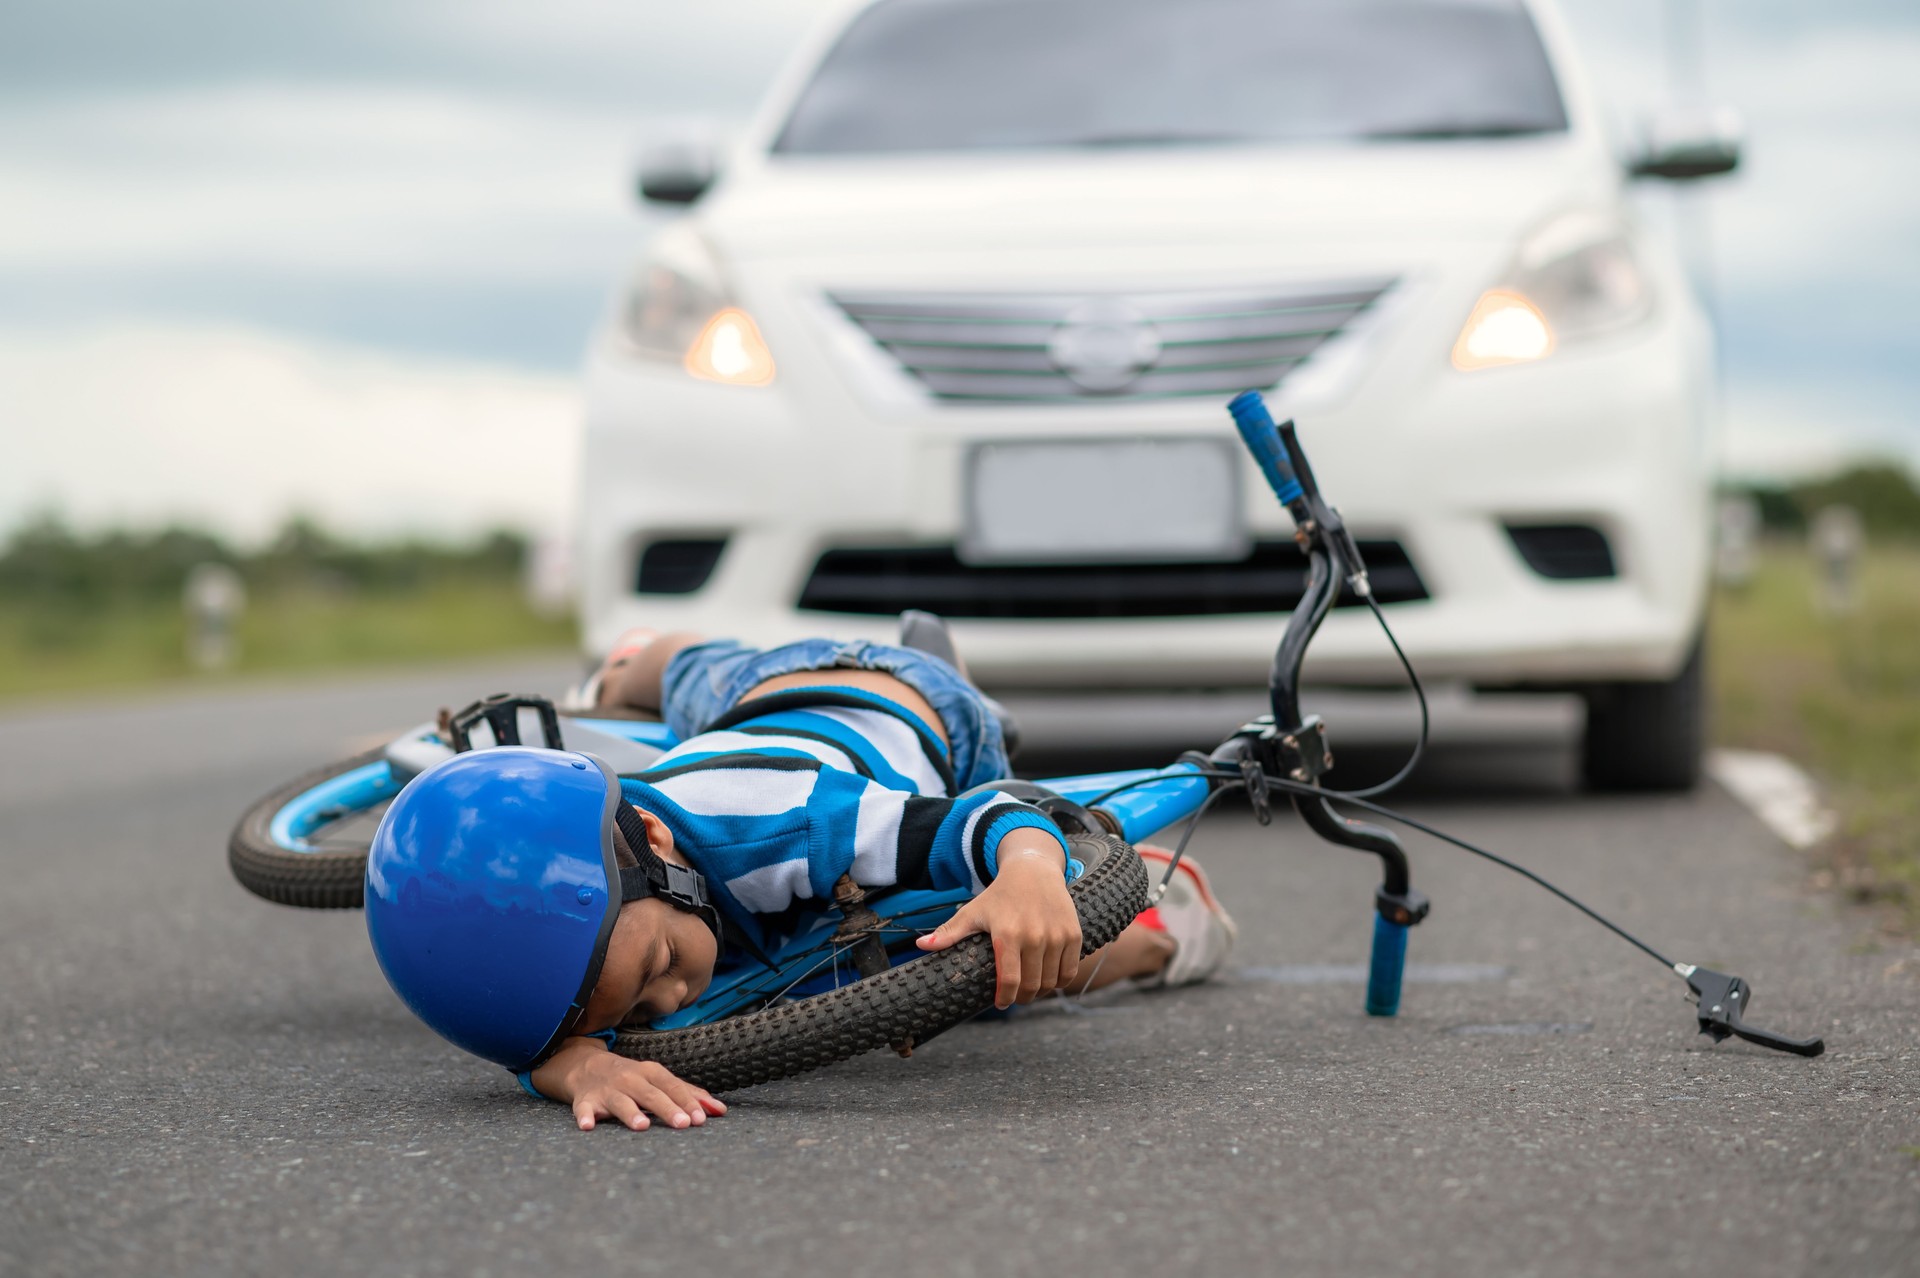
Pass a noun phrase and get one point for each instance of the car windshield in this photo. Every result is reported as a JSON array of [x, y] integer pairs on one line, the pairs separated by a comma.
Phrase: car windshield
[[951, 75]]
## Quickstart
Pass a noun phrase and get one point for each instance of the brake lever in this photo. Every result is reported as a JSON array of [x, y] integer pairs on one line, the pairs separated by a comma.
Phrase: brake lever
[[1723, 999]]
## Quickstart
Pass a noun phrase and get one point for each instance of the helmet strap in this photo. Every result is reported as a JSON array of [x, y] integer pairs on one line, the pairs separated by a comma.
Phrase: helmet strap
[[678, 885]]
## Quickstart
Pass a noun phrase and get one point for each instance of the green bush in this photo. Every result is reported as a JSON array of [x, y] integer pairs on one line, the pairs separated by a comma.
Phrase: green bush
[[1882, 493], [82, 612], [46, 562]]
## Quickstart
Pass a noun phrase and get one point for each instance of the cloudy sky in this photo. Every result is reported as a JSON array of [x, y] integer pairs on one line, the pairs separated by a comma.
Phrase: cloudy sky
[[342, 256]]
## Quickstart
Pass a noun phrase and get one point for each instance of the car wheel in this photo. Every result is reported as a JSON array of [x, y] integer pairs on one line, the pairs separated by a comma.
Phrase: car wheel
[[1648, 736]]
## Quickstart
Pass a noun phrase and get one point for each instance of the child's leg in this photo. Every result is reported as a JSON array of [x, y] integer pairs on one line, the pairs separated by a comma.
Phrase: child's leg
[[1182, 940], [1138, 953]]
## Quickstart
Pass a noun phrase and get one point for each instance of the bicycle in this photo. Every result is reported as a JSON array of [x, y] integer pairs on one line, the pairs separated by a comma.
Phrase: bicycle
[[850, 980]]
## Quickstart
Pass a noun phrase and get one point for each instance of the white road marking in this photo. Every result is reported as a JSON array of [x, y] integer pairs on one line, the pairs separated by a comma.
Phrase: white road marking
[[1357, 973], [1777, 791]]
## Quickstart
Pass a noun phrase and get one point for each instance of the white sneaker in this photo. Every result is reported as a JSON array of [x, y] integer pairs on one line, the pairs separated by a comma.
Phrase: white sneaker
[[1189, 913]]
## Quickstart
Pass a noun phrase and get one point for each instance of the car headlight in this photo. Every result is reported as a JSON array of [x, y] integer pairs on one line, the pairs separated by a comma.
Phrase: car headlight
[[678, 309], [1575, 277]]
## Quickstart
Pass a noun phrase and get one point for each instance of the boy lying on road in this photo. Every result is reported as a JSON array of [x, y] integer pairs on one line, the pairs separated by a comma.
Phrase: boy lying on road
[[797, 765]]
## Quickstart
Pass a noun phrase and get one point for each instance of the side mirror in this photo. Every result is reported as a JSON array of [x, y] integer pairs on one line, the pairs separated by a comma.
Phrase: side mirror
[[677, 172], [1681, 146]]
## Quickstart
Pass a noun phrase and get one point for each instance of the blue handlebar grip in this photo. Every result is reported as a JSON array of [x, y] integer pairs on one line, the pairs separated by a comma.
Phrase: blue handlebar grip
[[1256, 427], [1389, 965]]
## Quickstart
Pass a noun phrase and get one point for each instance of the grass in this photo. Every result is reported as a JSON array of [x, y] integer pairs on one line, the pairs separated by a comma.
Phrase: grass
[[1840, 693], [48, 649]]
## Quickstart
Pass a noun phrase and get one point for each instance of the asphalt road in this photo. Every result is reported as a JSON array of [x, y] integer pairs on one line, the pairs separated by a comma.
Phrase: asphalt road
[[195, 1082]]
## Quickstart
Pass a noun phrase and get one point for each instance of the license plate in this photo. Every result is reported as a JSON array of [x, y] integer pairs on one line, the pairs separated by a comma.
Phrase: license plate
[[1108, 500]]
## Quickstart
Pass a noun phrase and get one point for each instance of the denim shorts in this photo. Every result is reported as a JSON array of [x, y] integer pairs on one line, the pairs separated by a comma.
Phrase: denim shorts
[[706, 680]]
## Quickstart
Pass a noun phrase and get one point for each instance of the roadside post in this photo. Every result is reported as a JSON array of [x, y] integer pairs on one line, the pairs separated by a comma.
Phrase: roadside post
[[214, 598], [1738, 527], [1837, 540]]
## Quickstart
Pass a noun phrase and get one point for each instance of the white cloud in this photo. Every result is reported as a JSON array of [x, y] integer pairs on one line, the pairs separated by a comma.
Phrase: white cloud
[[235, 430], [1830, 191], [630, 54], [315, 181], [719, 52]]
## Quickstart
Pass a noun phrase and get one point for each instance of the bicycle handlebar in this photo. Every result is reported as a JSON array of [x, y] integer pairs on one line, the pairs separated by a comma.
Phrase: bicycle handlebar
[[1387, 967], [1286, 744], [1287, 751], [1262, 438]]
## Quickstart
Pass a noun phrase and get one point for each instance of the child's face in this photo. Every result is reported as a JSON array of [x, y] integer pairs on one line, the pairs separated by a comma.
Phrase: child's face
[[659, 958]]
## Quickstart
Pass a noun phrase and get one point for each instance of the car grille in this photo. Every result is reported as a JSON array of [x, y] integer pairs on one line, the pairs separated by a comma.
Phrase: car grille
[[1059, 348], [881, 581]]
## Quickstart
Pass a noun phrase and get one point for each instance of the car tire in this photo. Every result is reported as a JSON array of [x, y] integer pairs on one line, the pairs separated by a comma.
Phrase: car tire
[[1647, 736]]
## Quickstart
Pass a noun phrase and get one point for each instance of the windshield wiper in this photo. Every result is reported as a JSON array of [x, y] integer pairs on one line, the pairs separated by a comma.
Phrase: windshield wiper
[[1448, 133], [1101, 140]]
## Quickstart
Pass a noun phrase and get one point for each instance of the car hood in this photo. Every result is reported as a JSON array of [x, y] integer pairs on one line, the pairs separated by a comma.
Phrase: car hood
[[1418, 192]]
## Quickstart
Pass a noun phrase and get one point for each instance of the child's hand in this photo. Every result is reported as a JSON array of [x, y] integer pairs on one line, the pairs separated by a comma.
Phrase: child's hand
[[598, 1084], [1029, 914]]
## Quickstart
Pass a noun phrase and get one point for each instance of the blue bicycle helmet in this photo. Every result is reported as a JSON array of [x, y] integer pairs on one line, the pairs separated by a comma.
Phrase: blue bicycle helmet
[[492, 888]]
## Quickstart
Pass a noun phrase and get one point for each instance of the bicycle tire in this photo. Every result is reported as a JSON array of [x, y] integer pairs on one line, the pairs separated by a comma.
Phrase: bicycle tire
[[309, 880], [906, 1004]]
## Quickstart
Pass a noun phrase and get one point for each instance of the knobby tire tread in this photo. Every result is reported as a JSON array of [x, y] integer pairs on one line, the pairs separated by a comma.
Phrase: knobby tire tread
[[310, 880], [912, 1002]]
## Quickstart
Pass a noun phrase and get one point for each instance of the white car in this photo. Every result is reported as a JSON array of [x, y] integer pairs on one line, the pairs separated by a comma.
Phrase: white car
[[955, 326]]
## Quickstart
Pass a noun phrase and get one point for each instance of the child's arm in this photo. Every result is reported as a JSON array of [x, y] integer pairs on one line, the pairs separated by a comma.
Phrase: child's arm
[[1030, 916], [598, 1084], [776, 831], [1007, 851]]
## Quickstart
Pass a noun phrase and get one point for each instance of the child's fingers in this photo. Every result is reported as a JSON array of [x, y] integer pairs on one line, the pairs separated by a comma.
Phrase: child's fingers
[[1033, 966], [1050, 969], [963, 924], [589, 1109], [624, 1109], [711, 1104], [661, 1105], [1069, 964], [686, 1096], [1006, 969]]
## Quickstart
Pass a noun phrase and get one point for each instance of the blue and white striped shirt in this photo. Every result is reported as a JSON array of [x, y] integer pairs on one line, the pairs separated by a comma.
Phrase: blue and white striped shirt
[[787, 792]]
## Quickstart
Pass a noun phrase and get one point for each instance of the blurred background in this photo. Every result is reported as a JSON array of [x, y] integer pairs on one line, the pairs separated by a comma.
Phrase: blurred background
[[293, 300], [245, 250]]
